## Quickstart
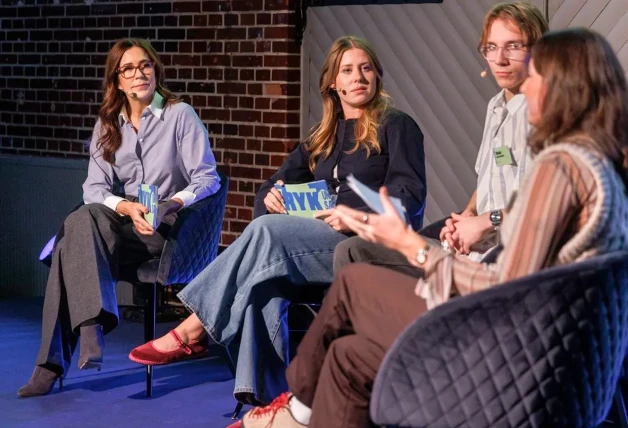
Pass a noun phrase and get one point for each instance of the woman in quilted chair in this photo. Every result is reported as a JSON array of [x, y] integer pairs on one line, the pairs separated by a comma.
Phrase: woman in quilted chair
[[572, 205], [143, 135]]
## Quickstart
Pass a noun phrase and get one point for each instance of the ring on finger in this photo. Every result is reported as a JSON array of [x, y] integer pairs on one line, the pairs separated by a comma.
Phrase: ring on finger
[[365, 218]]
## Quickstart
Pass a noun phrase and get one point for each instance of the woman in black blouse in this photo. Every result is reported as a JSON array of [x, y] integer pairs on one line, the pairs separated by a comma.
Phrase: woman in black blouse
[[235, 299]]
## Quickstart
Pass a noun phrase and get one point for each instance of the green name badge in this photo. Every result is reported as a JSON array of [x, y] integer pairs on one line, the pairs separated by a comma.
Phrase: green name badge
[[503, 156]]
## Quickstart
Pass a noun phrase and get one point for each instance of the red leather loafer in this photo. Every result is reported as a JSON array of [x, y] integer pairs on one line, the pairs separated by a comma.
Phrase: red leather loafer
[[148, 355]]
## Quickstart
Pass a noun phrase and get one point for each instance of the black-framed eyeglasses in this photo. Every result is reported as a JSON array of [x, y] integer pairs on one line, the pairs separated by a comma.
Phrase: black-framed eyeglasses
[[514, 51], [128, 71]]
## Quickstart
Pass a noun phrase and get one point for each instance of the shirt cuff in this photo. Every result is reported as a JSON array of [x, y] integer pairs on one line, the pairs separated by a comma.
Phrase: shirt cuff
[[188, 198], [113, 201], [436, 285], [434, 256]]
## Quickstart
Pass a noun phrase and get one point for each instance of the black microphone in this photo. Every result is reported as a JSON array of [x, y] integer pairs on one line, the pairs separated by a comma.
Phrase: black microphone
[[132, 94], [342, 91]]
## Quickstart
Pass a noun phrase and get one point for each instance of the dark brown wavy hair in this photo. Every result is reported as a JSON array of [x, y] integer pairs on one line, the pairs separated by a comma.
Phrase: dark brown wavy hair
[[110, 136], [586, 100], [321, 140]]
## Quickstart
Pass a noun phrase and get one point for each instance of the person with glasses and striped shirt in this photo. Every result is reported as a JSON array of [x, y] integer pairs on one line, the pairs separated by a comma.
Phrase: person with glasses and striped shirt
[[509, 30]]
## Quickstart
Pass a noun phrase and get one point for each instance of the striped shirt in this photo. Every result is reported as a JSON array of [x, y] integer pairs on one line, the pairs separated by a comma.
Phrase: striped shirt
[[170, 150], [506, 126], [558, 198]]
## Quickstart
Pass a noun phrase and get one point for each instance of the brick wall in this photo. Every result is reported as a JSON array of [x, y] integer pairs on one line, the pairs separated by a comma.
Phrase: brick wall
[[235, 61]]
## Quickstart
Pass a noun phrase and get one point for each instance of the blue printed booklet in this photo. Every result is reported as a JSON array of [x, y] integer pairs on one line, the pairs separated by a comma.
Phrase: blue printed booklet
[[148, 195], [303, 200], [372, 199]]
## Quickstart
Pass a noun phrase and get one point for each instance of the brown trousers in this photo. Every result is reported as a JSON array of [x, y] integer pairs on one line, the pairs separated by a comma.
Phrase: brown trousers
[[337, 361]]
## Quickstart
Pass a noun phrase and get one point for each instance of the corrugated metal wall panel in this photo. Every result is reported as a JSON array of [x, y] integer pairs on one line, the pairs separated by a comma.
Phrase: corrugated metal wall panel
[[608, 17], [553, 6], [617, 34], [589, 12], [432, 71], [567, 11], [607, 22]]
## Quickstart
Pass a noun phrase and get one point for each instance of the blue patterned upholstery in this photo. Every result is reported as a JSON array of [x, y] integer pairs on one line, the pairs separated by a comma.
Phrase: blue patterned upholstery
[[191, 245], [192, 242], [542, 351]]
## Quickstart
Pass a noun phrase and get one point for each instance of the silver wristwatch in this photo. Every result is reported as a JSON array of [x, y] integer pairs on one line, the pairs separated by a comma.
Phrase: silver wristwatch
[[496, 218]]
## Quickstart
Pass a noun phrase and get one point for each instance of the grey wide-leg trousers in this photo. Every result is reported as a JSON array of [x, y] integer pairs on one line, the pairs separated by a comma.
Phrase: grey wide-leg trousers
[[93, 246]]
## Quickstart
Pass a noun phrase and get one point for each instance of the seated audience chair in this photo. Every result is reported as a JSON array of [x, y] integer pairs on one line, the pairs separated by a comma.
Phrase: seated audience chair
[[191, 245], [544, 350]]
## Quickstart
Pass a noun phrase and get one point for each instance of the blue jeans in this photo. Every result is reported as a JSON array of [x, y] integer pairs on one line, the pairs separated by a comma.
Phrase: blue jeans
[[239, 305]]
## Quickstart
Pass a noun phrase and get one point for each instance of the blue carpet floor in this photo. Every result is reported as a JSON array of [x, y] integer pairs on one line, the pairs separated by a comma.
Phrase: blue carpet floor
[[190, 394], [195, 393]]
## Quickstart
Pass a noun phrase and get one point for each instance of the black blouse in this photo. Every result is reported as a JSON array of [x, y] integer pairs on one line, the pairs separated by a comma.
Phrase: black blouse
[[400, 166]]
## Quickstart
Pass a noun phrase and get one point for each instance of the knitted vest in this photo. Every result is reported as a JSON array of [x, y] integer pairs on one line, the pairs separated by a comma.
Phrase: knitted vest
[[606, 230]]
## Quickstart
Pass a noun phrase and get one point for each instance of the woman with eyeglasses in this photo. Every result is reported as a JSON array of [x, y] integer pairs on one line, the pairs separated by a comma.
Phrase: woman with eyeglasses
[[144, 135]]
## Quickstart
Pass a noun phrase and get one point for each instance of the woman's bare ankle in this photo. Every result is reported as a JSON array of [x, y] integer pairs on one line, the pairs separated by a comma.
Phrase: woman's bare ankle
[[189, 336], [191, 329]]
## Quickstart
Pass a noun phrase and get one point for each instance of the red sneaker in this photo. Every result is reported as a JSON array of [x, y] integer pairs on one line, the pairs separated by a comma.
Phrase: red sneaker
[[148, 355], [276, 415]]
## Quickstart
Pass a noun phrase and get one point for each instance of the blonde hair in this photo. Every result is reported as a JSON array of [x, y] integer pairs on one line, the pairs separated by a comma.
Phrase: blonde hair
[[527, 17], [321, 139]]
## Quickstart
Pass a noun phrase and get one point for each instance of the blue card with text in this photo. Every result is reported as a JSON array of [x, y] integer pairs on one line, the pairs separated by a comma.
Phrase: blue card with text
[[303, 200], [148, 195]]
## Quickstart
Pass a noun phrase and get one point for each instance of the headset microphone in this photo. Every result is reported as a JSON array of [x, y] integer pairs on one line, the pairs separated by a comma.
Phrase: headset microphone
[[483, 73]]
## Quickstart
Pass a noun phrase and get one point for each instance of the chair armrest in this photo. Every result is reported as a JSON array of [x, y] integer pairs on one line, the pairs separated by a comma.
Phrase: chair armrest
[[46, 253], [192, 242], [547, 347]]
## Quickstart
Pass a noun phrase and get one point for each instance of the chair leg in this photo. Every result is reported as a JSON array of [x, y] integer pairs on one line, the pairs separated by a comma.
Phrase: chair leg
[[620, 406], [237, 410], [229, 361], [150, 319]]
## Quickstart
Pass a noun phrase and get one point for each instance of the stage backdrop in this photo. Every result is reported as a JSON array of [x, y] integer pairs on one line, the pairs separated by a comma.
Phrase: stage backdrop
[[432, 70]]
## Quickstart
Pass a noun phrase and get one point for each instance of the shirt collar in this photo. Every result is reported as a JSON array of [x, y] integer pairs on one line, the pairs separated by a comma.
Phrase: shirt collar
[[511, 106], [156, 108]]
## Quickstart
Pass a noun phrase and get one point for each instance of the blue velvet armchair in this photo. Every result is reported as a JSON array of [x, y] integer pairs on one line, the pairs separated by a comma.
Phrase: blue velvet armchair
[[542, 351]]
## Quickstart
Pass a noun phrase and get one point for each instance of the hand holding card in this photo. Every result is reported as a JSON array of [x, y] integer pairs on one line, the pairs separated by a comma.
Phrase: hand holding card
[[304, 200], [372, 198], [148, 195]]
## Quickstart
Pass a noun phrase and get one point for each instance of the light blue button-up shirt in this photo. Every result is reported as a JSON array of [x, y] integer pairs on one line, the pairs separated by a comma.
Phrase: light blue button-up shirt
[[170, 149]]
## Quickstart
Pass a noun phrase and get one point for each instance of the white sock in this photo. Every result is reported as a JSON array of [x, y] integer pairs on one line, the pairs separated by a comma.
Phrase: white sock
[[300, 411]]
